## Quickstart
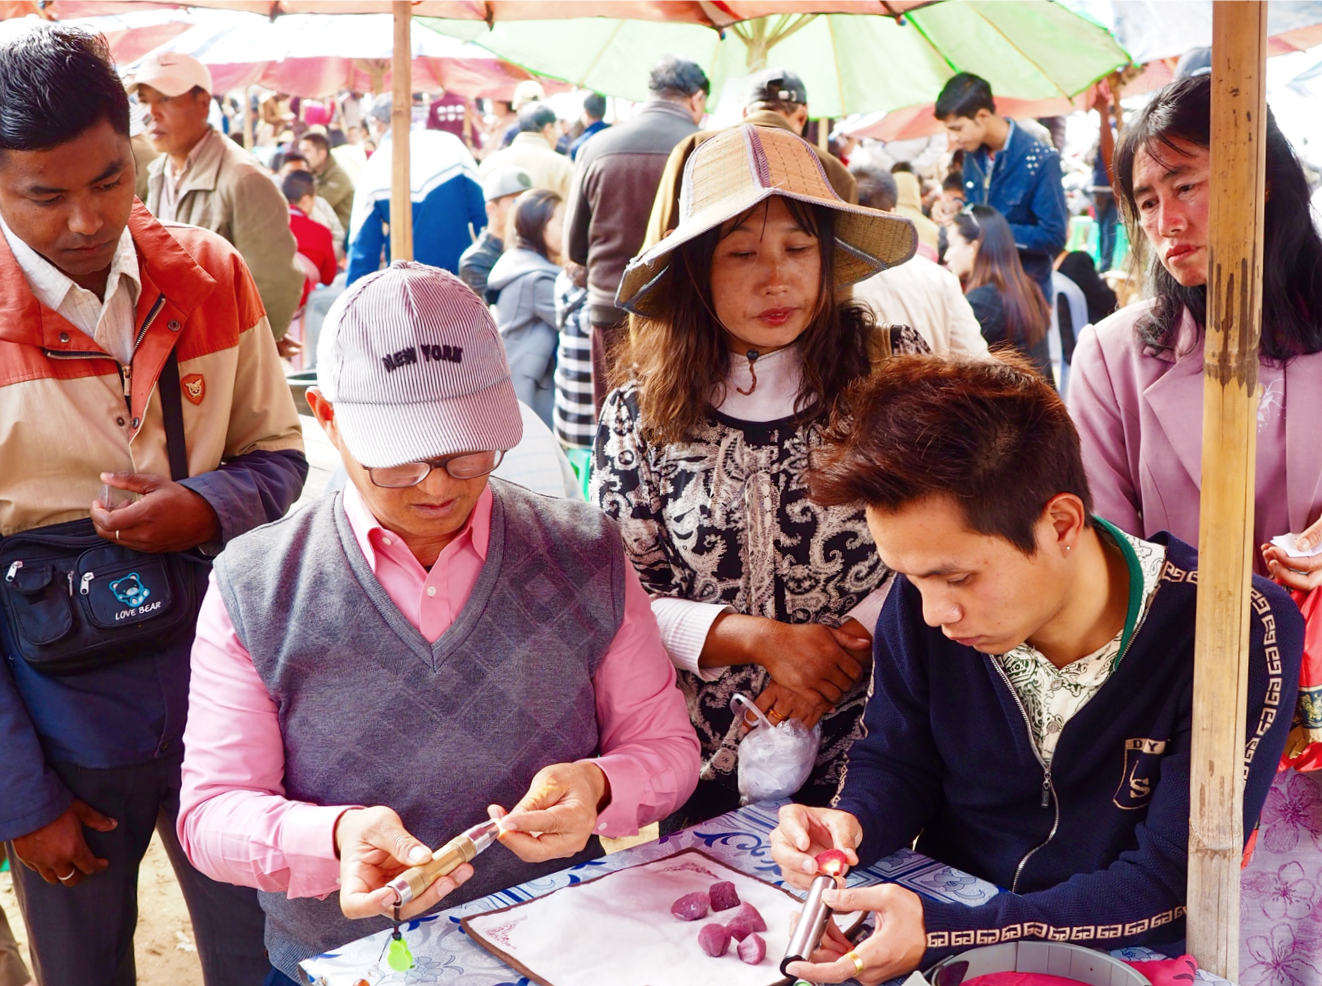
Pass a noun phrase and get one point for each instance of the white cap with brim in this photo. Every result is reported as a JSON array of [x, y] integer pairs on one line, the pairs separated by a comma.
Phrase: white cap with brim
[[737, 169], [509, 180], [415, 368], [170, 73]]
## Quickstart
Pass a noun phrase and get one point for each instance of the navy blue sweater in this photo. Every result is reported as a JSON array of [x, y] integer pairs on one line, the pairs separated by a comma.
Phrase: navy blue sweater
[[1094, 851]]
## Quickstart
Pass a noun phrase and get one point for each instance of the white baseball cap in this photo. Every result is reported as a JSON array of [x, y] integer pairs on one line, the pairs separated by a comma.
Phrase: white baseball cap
[[170, 73], [509, 180], [411, 360]]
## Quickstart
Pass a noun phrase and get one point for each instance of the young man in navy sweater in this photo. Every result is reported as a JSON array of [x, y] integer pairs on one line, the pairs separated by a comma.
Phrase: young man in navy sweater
[[1029, 720]]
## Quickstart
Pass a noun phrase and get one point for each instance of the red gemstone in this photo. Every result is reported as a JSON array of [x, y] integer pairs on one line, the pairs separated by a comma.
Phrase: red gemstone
[[833, 862]]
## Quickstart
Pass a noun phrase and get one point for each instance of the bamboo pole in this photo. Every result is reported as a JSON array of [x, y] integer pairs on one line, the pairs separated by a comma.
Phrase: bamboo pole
[[1230, 382], [401, 120]]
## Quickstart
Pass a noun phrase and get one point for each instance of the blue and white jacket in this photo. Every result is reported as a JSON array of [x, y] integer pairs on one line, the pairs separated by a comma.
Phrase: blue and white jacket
[[1092, 850], [448, 208], [1025, 188]]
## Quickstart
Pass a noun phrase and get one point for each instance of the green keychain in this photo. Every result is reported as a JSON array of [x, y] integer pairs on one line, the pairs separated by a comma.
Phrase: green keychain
[[398, 955]]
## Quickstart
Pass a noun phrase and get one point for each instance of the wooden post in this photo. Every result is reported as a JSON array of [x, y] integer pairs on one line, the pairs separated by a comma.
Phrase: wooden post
[[401, 120], [1230, 382]]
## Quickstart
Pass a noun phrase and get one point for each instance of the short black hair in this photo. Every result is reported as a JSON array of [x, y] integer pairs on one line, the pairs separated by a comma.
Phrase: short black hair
[[953, 182], [297, 184], [595, 106], [678, 77], [963, 95], [320, 140], [990, 434], [534, 117], [900, 166], [876, 187], [55, 83], [290, 156]]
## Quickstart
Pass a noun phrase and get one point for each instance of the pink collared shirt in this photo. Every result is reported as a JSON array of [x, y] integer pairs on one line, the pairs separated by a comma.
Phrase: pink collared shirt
[[235, 822]]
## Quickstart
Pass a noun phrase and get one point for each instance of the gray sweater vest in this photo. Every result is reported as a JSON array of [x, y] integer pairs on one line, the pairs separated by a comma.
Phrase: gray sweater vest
[[373, 714]]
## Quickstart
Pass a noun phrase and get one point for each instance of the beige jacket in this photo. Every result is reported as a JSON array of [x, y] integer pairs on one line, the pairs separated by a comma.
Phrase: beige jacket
[[533, 154], [910, 206], [68, 411], [226, 191]]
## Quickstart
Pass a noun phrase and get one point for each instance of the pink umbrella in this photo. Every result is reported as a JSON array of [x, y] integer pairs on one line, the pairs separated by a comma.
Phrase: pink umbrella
[[314, 55]]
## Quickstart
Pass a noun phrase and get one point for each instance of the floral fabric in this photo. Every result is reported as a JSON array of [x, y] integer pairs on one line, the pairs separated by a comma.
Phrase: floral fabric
[[724, 517], [1281, 889], [1050, 695]]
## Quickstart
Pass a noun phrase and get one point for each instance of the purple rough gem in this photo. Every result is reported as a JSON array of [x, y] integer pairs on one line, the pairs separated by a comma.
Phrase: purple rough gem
[[691, 907], [714, 939], [748, 914], [752, 950], [723, 896]]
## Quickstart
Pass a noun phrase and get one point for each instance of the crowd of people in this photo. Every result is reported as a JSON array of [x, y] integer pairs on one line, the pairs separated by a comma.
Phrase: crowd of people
[[835, 473]]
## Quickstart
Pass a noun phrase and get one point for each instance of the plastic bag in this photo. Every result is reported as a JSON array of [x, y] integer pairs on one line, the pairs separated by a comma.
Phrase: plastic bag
[[774, 761]]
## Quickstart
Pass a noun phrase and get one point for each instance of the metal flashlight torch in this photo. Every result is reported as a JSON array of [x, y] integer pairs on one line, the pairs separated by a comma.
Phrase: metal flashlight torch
[[463, 848], [812, 922]]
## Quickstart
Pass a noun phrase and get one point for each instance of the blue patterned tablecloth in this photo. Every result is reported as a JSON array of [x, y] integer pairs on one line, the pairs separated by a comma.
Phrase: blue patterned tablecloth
[[443, 953]]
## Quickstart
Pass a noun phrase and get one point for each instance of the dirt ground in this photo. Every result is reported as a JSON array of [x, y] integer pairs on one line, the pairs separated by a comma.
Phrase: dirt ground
[[163, 944]]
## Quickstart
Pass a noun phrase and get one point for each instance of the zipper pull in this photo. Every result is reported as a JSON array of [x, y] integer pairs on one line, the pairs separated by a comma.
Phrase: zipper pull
[[126, 380], [70, 577], [1046, 788], [87, 581], [13, 570]]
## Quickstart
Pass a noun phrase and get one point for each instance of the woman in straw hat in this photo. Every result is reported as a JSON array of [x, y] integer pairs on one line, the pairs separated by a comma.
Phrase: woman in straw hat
[[740, 345]]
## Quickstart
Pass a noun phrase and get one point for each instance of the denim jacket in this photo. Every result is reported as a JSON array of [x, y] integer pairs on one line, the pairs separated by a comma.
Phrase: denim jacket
[[1026, 188]]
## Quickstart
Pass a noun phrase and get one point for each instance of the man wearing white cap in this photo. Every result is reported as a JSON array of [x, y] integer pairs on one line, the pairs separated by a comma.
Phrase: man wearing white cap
[[500, 189], [204, 179], [432, 642]]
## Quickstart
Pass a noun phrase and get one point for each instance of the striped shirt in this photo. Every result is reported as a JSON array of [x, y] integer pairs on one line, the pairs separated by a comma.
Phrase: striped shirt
[[574, 415]]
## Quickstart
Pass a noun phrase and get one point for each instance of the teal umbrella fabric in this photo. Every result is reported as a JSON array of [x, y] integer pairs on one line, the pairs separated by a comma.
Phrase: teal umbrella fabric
[[1026, 49]]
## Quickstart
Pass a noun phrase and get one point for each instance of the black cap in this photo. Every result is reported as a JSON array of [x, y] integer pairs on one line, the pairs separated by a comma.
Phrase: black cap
[[776, 84]]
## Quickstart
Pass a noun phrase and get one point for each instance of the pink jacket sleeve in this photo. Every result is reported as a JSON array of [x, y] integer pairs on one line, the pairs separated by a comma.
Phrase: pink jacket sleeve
[[235, 823], [1100, 420], [649, 751]]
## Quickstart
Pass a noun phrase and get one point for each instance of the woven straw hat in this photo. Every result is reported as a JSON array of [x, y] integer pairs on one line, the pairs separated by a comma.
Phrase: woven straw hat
[[738, 168]]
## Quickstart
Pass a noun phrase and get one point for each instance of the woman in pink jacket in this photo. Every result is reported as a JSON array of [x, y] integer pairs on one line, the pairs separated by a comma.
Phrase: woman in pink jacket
[[1136, 391]]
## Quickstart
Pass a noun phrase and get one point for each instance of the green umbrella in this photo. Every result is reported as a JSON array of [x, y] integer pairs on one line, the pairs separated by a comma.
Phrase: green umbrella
[[1026, 49]]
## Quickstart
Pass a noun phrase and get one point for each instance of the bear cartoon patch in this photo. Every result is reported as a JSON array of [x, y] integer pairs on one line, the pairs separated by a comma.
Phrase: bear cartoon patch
[[130, 591]]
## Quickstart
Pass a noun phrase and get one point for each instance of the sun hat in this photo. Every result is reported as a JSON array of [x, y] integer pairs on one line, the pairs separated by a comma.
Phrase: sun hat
[[509, 180], [170, 73], [412, 362], [743, 166]]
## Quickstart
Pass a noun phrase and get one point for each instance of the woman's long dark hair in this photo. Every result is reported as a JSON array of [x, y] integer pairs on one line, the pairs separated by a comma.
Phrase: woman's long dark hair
[[1027, 316], [680, 358], [532, 211], [1292, 251]]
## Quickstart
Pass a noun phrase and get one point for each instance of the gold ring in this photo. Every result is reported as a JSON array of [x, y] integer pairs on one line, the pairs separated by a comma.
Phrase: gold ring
[[779, 716], [858, 962]]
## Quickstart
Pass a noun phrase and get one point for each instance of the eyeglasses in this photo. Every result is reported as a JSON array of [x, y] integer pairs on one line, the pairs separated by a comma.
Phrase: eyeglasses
[[465, 465]]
